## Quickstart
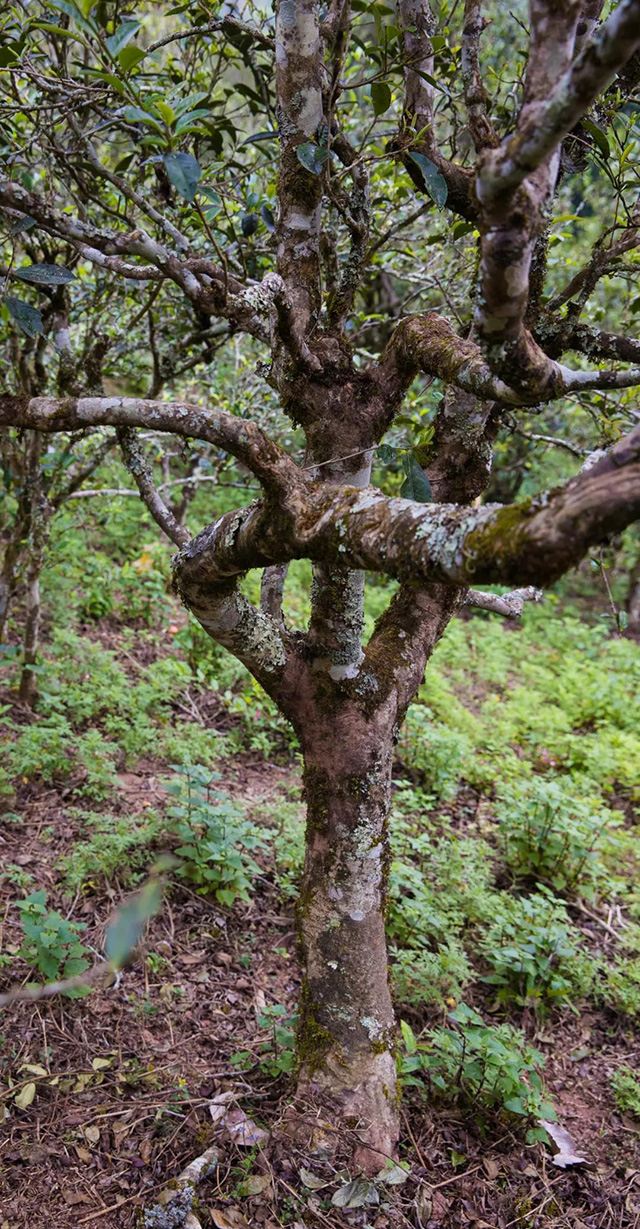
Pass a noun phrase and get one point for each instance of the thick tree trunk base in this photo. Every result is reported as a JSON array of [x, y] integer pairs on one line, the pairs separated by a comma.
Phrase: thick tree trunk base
[[358, 1116], [346, 1040]]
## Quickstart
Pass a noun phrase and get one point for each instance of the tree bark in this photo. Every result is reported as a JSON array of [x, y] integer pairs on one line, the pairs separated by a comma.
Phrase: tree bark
[[633, 599], [347, 1028]]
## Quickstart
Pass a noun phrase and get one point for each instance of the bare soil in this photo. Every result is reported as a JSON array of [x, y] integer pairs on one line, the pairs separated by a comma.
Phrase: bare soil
[[126, 1077]]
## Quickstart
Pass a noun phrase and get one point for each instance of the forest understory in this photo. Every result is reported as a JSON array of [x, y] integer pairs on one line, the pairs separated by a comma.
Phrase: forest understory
[[107, 1097]]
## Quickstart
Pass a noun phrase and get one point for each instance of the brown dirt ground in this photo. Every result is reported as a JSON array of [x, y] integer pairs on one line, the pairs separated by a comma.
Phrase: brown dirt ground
[[102, 1138]]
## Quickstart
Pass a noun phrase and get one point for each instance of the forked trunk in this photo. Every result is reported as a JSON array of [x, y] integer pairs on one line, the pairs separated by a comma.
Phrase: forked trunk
[[346, 1039]]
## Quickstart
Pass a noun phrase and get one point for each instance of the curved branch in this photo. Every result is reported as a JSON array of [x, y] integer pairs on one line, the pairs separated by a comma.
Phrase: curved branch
[[552, 118], [417, 124], [475, 95], [533, 542], [140, 470], [244, 440], [428, 343], [205, 284]]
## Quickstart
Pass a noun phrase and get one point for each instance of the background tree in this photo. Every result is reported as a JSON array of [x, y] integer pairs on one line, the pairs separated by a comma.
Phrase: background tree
[[144, 151]]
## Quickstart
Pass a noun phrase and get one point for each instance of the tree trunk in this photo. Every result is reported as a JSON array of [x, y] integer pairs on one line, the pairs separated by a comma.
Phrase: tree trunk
[[39, 532], [8, 575], [346, 1037], [28, 686], [633, 599]]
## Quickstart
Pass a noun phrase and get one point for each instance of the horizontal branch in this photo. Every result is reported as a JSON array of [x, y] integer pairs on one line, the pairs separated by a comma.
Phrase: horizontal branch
[[531, 543], [510, 605], [206, 285], [243, 439]]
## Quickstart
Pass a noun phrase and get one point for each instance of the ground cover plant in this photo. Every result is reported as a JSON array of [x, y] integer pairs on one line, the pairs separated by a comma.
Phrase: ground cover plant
[[311, 282]]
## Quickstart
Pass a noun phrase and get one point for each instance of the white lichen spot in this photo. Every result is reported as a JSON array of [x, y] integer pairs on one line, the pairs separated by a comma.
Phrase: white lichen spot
[[357, 915], [374, 1027]]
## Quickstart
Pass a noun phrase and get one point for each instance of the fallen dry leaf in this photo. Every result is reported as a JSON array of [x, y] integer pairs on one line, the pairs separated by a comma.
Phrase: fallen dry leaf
[[566, 1157], [228, 1218], [243, 1130], [255, 1184], [311, 1180], [26, 1095], [92, 1134], [73, 1197], [220, 1105]]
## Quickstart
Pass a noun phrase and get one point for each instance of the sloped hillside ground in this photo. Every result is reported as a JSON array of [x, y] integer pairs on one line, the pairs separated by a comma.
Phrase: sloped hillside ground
[[514, 919]]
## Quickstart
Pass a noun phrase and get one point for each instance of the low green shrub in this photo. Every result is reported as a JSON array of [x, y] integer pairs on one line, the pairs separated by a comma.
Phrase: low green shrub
[[626, 1091], [550, 835], [534, 954], [117, 845], [422, 978], [217, 840], [488, 1067], [51, 943], [438, 755]]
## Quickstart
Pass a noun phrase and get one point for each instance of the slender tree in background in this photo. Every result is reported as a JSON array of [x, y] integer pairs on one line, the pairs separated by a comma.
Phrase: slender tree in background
[[135, 158]]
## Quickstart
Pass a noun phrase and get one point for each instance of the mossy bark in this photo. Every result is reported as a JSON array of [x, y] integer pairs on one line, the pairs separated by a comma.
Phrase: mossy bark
[[346, 1036]]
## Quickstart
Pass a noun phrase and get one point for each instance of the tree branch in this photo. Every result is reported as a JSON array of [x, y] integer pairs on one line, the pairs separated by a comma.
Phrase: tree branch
[[510, 605], [475, 95], [533, 542], [552, 118], [417, 125], [428, 343], [243, 439], [140, 469]]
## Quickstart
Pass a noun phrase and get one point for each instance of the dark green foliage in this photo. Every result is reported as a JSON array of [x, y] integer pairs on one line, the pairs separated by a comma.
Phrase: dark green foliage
[[51, 944], [216, 839], [488, 1068]]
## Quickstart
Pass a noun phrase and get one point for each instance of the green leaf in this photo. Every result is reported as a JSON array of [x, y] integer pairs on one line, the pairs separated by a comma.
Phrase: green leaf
[[408, 1036], [44, 275], [380, 97], [135, 115], [190, 119], [312, 157], [416, 485], [129, 57], [184, 171], [599, 137], [123, 35], [267, 217], [166, 112], [24, 223], [435, 183], [125, 930], [386, 453], [515, 1105], [249, 223], [28, 318], [9, 54]]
